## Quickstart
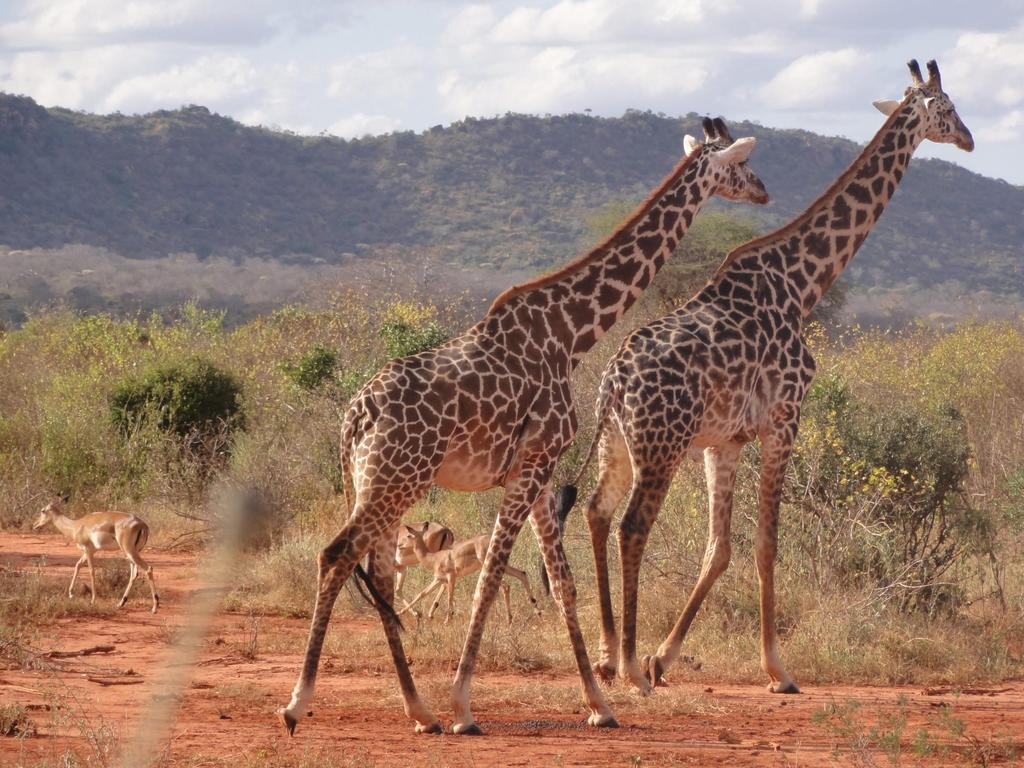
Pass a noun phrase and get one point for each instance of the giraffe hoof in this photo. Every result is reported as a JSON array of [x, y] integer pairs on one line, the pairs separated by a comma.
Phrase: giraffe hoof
[[467, 730], [434, 727], [605, 672], [287, 720], [602, 721], [789, 687]]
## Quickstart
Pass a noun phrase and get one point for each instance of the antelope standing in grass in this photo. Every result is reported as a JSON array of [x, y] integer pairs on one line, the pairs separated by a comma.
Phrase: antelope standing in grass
[[450, 565], [103, 531], [435, 536]]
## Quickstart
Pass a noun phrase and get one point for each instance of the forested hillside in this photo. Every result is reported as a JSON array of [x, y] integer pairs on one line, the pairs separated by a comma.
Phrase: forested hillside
[[513, 192]]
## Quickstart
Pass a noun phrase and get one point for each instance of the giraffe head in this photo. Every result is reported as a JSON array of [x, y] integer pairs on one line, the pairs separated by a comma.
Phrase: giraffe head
[[941, 122], [733, 178]]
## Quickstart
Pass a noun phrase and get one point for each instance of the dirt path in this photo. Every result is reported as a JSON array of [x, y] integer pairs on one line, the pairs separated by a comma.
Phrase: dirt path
[[227, 714]]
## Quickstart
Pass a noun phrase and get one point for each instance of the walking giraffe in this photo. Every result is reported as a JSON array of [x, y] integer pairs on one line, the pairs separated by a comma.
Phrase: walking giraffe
[[493, 407], [730, 366]]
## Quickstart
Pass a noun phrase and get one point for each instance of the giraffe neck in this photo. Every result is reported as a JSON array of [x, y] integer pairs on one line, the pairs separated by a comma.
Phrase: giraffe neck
[[583, 300], [808, 254]]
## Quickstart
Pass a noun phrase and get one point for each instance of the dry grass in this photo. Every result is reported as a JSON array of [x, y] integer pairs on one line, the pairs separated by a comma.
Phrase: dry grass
[[31, 596]]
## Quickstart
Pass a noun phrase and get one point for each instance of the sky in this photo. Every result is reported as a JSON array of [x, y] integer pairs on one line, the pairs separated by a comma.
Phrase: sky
[[375, 66]]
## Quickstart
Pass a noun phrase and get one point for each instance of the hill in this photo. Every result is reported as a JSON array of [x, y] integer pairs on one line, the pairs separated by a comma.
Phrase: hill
[[512, 192]]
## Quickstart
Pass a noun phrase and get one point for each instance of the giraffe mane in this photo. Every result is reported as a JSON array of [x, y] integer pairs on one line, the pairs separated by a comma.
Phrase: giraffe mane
[[843, 179], [583, 259]]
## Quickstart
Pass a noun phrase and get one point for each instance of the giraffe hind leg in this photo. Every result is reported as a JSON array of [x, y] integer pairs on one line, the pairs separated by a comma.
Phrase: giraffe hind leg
[[520, 494], [615, 476], [644, 504], [776, 449]]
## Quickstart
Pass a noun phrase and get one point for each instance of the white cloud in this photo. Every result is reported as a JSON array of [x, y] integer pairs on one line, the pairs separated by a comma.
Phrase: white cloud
[[566, 78], [358, 125], [388, 74], [47, 24], [1010, 127], [217, 81], [815, 80], [75, 79], [468, 25], [569, 21], [987, 68]]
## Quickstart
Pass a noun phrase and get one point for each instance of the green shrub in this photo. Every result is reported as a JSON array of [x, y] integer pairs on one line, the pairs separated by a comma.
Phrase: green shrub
[[409, 328], [881, 485], [190, 398], [312, 369]]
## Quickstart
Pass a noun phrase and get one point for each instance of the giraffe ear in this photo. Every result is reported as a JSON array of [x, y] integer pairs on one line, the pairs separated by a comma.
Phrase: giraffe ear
[[886, 106], [928, 102], [738, 151], [690, 144]]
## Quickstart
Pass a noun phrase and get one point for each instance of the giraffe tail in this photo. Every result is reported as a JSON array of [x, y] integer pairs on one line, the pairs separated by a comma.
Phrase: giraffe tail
[[565, 499], [345, 454], [374, 598]]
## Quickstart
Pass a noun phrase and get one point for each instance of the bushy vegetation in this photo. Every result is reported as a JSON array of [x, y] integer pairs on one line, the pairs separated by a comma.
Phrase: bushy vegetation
[[312, 369], [408, 329], [901, 550], [189, 398], [883, 488]]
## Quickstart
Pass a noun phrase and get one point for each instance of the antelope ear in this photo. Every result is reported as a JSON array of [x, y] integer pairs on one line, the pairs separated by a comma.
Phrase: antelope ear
[[886, 106], [690, 144], [410, 529], [739, 150], [64, 497], [425, 527]]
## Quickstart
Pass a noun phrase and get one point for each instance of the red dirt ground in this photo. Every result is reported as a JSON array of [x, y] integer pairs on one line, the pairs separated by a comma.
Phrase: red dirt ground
[[227, 713]]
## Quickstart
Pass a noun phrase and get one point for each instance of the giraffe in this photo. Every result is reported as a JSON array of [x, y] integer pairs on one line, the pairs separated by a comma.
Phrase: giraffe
[[493, 407], [731, 366]]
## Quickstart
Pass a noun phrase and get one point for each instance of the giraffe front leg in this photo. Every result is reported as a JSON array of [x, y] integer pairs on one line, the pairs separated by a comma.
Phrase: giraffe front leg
[[382, 575], [524, 486], [776, 449], [720, 464], [549, 536], [506, 528], [615, 476]]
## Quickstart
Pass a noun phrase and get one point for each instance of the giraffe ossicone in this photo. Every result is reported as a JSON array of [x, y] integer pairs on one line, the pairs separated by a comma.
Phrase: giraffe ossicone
[[493, 407], [731, 366]]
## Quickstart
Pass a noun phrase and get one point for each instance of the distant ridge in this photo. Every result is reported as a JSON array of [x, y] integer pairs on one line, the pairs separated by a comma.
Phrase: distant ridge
[[513, 192]]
